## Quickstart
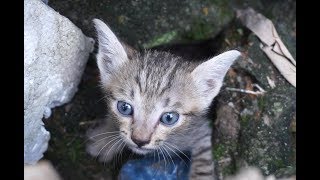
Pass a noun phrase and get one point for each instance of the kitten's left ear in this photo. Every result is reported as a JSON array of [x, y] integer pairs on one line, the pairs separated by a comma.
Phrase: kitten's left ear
[[209, 75], [111, 53]]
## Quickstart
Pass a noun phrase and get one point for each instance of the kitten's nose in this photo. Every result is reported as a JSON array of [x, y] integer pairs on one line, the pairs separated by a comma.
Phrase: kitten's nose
[[140, 142]]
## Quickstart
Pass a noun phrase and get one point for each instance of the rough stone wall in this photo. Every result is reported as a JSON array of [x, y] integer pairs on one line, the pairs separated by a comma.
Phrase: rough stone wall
[[55, 55]]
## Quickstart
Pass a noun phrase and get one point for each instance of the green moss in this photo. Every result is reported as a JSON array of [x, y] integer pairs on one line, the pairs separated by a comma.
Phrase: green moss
[[278, 163], [287, 171], [218, 151], [222, 151], [199, 30], [278, 107], [219, 3], [244, 119], [228, 170], [262, 103], [75, 151], [162, 39], [225, 12]]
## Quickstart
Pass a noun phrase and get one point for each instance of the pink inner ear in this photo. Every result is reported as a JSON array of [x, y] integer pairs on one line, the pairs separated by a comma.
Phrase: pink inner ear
[[210, 83]]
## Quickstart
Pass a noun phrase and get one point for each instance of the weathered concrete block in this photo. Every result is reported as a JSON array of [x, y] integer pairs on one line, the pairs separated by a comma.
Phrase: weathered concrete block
[[55, 55]]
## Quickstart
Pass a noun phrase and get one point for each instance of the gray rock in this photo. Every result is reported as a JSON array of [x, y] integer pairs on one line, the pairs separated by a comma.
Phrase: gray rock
[[55, 55], [267, 122], [148, 23], [266, 140], [45, 1]]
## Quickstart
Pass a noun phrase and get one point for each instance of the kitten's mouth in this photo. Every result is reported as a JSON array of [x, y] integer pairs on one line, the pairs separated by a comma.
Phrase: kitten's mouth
[[141, 150]]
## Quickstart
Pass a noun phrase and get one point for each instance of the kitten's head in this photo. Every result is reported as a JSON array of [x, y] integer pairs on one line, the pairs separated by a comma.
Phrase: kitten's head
[[153, 95]]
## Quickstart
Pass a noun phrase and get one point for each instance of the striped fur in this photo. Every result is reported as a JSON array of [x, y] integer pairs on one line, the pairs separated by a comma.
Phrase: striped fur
[[155, 83]]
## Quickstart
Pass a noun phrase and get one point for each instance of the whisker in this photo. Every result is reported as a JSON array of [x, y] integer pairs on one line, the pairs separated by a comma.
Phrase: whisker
[[90, 138], [117, 155], [106, 145], [158, 155], [104, 97], [177, 149], [130, 156], [170, 157], [112, 136], [165, 161], [154, 157], [113, 146], [121, 151], [176, 154], [111, 132], [156, 172], [105, 154]]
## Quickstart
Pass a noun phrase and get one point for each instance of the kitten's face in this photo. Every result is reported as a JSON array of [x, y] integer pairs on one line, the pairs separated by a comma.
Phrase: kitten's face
[[153, 96]]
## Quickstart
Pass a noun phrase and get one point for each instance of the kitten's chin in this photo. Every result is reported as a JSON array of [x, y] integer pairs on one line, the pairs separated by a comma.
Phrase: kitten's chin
[[141, 151]]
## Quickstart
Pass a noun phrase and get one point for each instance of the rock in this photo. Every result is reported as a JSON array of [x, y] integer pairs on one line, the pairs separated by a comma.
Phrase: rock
[[41, 170], [267, 122], [55, 55], [226, 135], [227, 122], [266, 140], [276, 110], [247, 174], [252, 173], [148, 23]]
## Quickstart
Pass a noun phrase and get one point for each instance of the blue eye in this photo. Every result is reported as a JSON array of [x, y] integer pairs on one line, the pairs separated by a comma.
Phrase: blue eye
[[169, 118], [125, 108]]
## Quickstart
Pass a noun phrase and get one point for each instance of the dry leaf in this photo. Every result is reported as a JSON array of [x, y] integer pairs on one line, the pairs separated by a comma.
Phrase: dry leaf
[[272, 45]]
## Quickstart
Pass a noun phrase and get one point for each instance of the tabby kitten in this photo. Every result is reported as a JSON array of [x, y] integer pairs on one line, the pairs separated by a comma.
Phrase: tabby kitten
[[157, 101]]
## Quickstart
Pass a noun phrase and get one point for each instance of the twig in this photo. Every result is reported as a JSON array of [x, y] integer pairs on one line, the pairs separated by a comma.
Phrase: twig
[[86, 122], [259, 92]]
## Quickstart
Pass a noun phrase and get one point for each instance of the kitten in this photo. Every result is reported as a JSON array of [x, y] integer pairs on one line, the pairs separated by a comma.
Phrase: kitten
[[156, 101]]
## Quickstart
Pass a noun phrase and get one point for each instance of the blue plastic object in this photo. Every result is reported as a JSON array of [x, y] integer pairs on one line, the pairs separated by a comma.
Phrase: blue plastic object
[[156, 168]]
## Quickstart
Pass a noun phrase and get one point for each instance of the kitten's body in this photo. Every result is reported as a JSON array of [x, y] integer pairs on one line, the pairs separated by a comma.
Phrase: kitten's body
[[154, 83]]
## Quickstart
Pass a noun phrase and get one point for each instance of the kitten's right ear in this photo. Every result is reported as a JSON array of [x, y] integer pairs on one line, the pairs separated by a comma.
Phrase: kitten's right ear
[[209, 75], [111, 54]]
